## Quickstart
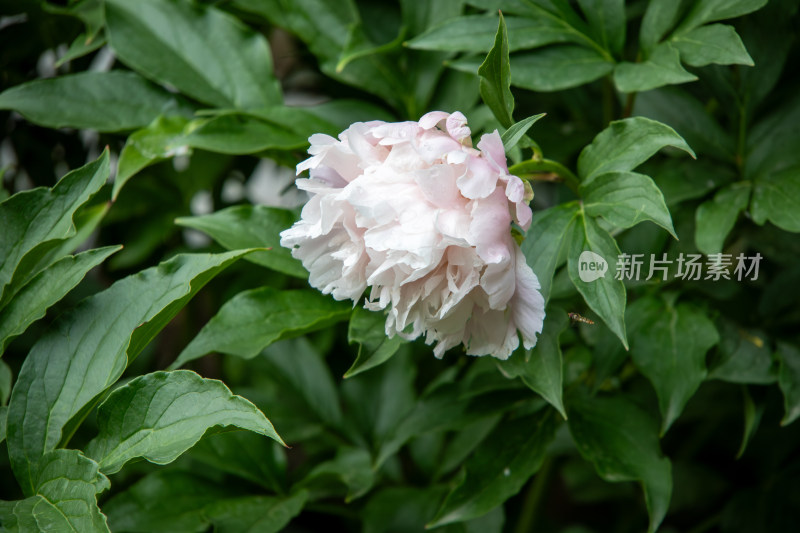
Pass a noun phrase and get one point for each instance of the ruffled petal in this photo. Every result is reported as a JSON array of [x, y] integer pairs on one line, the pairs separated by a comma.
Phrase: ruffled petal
[[412, 212], [527, 304]]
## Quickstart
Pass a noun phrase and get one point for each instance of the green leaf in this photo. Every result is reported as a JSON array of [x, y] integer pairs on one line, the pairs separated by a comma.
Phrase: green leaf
[[248, 226], [477, 33], [663, 67], [558, 67], [715, 218], [255, 514], [681, 180], [326, 22], [383, 514], [90, 12], [541, 368], [467, 64], [464, 442], [716, 43], [32, 514], [777, 198], [562, 10], [3, 419], [159, 416], [669, 345], [768, 35], [162, 139], [742, 357], [341, 113], [254, 319], [45, 289], [230, 134], [306, 121], [752, 419], [86, 350], [495, 78], [621, 440], [103, 101], [359, 45], [5, 382], [391, 389], [626, 198], [442, 409], [368, 329], [517, 131], [607, 22], [604, 295], [608, 355], [516, 7], [203, 52], [300, 366], [704, 11], [37, 221], [544, 249], [626, 144], [352, 468], [82, 45], [498, 468], [789, 381], [420, 16], [690, 118], [660, 17], [324, 27], [165, 501], [771, 145], [86, 221], [65, 487], [244, 454]]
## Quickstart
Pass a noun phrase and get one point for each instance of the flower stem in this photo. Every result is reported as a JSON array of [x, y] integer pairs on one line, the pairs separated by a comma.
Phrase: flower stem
[[742, 137], [527, 170], [608, 101], [533, 498], [629, 101]]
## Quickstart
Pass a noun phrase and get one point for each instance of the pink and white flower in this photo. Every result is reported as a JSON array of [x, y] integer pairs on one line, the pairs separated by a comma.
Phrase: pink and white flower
[[414, 212]]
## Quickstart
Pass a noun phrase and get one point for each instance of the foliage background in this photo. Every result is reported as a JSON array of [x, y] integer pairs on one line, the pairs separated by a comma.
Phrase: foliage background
[[205, 108]]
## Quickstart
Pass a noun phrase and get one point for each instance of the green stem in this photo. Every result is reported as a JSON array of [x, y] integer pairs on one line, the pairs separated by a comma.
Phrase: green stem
[[527, 169], [533, 498], [740, 145], [629, 101], [537, 151], [608, 101]]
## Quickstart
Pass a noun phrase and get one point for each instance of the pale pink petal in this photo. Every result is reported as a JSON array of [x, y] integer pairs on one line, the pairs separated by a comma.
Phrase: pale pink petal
[[457, 127], [523, 215], [412, 212], [527, 305], [515, 189], [438, 186], [430, 120], [490, 227], [492, 145], [479, 181]]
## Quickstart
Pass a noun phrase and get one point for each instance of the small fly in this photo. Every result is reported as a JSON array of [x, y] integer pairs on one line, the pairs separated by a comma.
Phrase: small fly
[[578, 318]]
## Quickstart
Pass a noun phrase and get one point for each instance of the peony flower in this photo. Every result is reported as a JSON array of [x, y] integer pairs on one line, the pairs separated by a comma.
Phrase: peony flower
[[413, 212]]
